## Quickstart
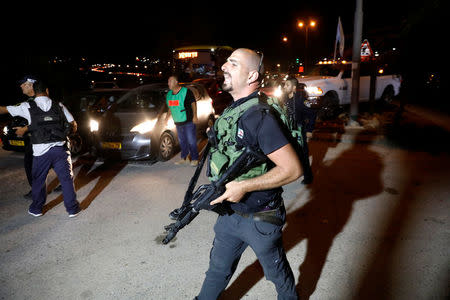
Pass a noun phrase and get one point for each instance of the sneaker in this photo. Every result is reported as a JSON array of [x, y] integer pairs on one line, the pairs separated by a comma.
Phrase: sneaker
[[194, 163], [74, 214], [28, 195], [182, 162], [34, 214]]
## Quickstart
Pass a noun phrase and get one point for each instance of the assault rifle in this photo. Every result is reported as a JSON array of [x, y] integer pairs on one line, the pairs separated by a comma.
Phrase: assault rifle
[[200, 199]]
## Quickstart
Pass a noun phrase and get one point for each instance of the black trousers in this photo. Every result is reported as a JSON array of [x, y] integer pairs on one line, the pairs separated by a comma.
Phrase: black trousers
[[304, 158], [308, 117], [234, 234]]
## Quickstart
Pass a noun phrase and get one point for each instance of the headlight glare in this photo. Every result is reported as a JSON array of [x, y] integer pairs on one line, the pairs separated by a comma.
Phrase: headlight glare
[[278, 92], [144, 127], [93, 125], [314, 91]]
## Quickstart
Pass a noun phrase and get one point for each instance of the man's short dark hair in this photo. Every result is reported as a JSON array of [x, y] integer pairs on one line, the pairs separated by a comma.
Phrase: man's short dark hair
[[39, 87], [293, 80]]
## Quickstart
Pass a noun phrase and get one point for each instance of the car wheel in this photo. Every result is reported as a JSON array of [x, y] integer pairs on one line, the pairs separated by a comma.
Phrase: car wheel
[[330, 107], [166, 146], [388, 95]]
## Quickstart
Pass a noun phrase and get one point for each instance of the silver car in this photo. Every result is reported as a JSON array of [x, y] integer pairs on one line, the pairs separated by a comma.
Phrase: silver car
[[134, 127]]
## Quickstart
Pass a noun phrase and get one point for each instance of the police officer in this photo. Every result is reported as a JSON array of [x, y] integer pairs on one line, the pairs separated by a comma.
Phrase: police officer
[[26, 84], [183, 108], [255, 197], [302, 117], [49, 124]]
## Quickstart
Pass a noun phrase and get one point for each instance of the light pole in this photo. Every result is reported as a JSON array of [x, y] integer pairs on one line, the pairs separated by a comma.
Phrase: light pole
[[301, 25], [286, 51], [356, 61]]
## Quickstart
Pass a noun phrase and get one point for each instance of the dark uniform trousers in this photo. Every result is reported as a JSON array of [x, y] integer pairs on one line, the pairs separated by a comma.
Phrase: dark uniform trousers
[[308, 117], [59, 159], [304, 157], [233, 234]]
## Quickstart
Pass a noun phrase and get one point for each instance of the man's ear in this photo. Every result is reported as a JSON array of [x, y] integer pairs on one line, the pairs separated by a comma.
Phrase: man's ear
[[253, 76]]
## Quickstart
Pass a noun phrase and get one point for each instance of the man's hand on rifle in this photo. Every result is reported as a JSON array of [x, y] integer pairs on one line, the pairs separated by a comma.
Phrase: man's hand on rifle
[[235, 191]]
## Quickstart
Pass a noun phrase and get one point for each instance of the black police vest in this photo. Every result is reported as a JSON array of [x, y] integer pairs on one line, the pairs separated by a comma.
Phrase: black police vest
[[48, 126]]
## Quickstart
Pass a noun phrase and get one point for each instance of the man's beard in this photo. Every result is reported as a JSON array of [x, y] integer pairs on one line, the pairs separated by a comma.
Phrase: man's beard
[[226, 85]]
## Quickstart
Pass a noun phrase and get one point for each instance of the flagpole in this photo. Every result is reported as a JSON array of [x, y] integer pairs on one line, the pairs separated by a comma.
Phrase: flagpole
[[335, 42], [339, 38], [335, 46]]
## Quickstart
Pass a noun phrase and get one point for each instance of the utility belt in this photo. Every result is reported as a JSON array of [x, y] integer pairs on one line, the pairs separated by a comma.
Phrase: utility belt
[[268, 215]]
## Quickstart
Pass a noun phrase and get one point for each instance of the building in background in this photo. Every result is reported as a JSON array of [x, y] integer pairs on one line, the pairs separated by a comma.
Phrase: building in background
[[200, 61]]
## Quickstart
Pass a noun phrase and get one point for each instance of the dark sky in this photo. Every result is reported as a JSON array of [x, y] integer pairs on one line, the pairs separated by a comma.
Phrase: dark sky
[[107, 30], [74, 27]]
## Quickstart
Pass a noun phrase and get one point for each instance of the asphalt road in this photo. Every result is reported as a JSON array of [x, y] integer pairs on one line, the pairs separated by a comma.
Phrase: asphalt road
[[373, 225]]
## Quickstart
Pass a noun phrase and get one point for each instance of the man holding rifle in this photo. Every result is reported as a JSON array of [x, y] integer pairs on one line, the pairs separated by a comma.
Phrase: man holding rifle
[[255, 196]]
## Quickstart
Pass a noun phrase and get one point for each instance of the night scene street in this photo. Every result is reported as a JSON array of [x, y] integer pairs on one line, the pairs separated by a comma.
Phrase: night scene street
[[107, 195]]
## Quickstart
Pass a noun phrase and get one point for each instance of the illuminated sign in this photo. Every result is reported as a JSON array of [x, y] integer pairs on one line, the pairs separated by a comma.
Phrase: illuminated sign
[[182, 55]]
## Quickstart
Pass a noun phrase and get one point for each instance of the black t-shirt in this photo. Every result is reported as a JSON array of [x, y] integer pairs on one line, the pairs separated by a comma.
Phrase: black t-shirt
[[295, 102], [301, 110], [261, 130], [188, 107]]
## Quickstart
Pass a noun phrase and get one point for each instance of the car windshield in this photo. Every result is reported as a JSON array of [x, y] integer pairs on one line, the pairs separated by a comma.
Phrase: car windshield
[[198, 91], [323, 70], [82, 101], [141, 99]]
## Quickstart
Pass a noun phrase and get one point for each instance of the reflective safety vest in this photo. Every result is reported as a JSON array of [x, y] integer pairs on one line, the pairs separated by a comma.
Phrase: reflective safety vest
[[48, 126], [176, 105], [225, 151]]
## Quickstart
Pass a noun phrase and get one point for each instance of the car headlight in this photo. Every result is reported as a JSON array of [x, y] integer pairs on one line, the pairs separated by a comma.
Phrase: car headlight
[[93, 125], [314, 91], [144, 127]]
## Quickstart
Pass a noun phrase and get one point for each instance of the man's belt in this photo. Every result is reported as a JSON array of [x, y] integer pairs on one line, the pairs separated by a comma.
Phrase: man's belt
[[269, 216]]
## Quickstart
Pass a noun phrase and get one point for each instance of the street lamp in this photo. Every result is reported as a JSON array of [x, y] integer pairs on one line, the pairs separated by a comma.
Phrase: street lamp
[[301, 25]]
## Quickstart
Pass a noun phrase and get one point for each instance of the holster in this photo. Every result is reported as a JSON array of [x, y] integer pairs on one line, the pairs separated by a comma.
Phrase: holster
[[268, 216]]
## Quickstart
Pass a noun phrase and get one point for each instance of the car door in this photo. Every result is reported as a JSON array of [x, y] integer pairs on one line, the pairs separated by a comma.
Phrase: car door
[[364, 83], [364, 86]]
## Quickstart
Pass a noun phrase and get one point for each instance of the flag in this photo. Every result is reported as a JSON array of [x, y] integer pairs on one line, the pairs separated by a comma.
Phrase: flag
[[339, 39]]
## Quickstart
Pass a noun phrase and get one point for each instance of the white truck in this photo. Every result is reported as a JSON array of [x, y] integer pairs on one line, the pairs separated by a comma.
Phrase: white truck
[[328, 87]]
